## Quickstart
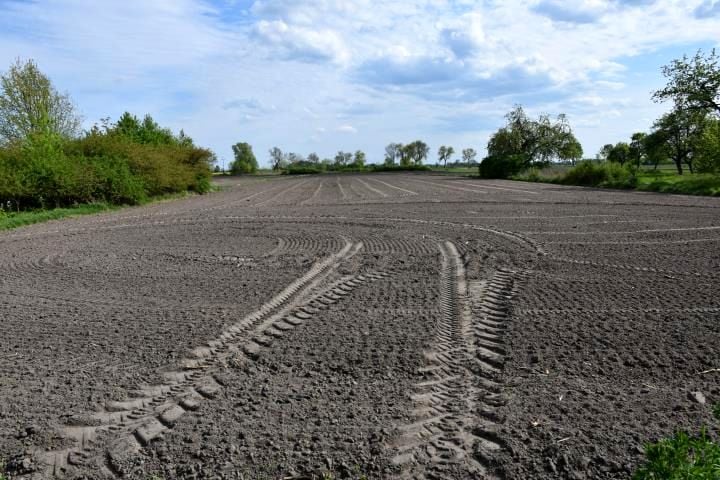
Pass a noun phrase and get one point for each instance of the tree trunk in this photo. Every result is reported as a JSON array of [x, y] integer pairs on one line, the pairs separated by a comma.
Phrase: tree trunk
[[678, 164]]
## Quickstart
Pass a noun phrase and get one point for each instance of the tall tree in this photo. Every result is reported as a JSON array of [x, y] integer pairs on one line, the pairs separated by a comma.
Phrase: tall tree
[[343, 158], [693, 83], [359, 160], [620, 153], [393, 153], [414, 153], [469, 155], [604, 152], [524, 142], [294, 158], [708, 158], [277, 158], [444, 154], [314, 158], [30, 104], [682, 132], [637, 148], [245, 161]]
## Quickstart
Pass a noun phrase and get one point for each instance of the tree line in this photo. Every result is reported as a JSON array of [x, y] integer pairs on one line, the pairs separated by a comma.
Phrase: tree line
[[689, 134], [397, 156], [47, 161]]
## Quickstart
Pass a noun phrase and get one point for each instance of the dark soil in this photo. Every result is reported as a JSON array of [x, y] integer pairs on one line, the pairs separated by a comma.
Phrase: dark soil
[[360, 326]]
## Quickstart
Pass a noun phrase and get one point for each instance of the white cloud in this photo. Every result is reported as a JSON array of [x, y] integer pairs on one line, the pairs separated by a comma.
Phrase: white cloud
[[386, 71], [346, 129], [301, 43]]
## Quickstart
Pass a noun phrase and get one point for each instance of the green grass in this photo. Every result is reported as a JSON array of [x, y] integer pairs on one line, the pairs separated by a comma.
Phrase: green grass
[[681, 458], [688, 184], [14, 220], [456, 170], [10, 220], [662, 180]]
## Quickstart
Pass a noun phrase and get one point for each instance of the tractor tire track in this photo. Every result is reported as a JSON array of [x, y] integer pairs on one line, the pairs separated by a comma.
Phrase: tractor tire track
[[455, 429], [126, 426]]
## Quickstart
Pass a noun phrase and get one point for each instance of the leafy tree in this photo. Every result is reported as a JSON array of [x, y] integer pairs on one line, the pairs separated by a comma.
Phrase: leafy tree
[[313, 158], [526, 143], [29, 104], [693, 83], [343, 158], [245, 161], [682, 132], [469, 155], [637, 148], [604, 152], [392, 153], [656, 149], [277, 158], [147, 131], [620, 153], [359, 160], [294, 158], [444, 154], [708, 154], [414, 153]]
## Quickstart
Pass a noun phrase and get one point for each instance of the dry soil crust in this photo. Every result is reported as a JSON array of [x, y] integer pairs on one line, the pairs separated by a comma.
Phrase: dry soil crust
[[386, 326]]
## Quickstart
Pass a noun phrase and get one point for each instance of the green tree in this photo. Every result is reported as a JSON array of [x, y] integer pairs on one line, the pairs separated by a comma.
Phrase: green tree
[[444, 154], [469, 155], [525, 142], [708, 154], [620, 153], [314, 158], [637, 148], [682, 132], [656, 149], [147, 131], [359, 159], [29, 104], [604, 152], [414, 153], [393, 152], [693, 83], [277, 159], [245, 161]]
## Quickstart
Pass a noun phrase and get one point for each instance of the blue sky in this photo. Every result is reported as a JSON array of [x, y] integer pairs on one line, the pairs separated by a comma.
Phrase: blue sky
[[325, 75]]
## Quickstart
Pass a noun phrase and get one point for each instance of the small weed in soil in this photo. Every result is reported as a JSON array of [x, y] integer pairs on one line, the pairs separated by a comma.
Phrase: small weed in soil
[[716, 411], [681, 458]]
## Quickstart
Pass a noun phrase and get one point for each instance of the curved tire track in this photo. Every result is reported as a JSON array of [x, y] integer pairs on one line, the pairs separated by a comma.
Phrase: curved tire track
[[128, 425]]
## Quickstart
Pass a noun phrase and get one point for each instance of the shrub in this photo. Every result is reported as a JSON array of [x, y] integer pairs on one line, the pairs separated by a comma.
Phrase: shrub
[[495, 166], [46, 170], [606, 174], [681, 457]]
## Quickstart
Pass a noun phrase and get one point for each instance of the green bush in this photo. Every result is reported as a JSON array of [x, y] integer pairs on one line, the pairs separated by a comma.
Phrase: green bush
[[399, 168], [681, 458], [502, 166], [47, 171], [302, 170], [697, 184], [605, 174]]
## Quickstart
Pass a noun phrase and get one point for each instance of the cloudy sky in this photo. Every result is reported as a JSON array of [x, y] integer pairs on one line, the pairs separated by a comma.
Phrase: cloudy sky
[[324, 75]]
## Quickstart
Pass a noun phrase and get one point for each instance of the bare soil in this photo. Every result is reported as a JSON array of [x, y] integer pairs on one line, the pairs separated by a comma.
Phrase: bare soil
[[360, 326]]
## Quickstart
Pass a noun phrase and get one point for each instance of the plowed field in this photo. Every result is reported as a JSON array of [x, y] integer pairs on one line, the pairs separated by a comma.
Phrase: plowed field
[[360, 326]]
